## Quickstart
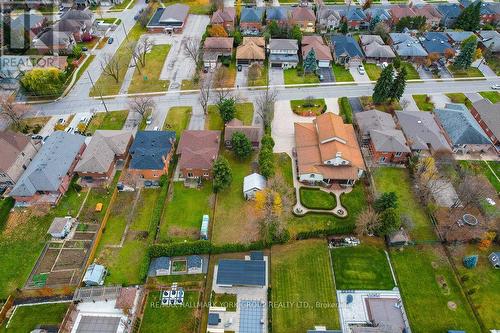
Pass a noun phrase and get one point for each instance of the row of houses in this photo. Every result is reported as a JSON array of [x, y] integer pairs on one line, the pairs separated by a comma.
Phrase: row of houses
[[36, 173]]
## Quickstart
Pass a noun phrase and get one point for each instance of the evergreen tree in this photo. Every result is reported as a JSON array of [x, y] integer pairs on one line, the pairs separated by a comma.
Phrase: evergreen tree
[[223, 175], [374, 22], [470, 18], [295, 33], [389, 222], [382, 90], [399, 85], [467, 53], [343, 28], [227, 109], [310, 62], [273, 29], [241, 145], [385, 201]]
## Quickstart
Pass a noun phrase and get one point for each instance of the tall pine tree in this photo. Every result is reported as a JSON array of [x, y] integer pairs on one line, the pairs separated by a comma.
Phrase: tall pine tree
[[310, 63], [399, 85], [467, 52], [382, 90], [470, 18]]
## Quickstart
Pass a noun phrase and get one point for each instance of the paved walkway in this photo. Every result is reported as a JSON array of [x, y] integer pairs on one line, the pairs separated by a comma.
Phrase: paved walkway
[[484, 68], [411, 105], [332, 105], [473, 97], [440, 100]]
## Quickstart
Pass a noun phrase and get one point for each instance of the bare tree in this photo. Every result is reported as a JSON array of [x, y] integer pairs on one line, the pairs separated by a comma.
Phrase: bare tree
[[429, 180], [192, 49], [12, 112], [471, 191], [367, 222], [143, 47], [254, 72], [142, 105], [112, 66], [132, 48], [217, 4], [265, 106], [205, 91]]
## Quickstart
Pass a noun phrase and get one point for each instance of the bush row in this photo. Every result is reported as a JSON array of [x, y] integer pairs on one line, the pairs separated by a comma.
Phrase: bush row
[[338, 230], [200, 247]]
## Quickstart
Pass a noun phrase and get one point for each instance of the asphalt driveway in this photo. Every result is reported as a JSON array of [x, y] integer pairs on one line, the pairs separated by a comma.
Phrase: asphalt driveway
[[327, 74], [355, 104]]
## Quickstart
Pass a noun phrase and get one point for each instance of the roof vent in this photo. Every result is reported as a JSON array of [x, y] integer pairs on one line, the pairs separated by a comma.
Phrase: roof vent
[[419, 121]]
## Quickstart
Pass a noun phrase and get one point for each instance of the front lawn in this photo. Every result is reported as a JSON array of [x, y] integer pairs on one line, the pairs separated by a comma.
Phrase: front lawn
[[424, 102], [364, 267], [178, 119], [398, 180], [433, 300], [345, 110], [26, 318], [184, 210], [244, 112], [459, 98], [148, 79], [314, 198], [367, 104], [261, 80], [30, 125], [494, 64], [412, 73], [293, 77], [170, 319], [372, 70], [301, 272], [112, 120], [123, 5], [306, 107], [465, 73], [493, 96], [341, 74], [196, 7]]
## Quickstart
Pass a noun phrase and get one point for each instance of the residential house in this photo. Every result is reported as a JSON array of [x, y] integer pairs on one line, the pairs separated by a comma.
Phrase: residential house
[[72, 27], [170, 19], [449, 13], [304, 17], [355, 16], [253, 133], [280, 15], [436, 43], [379, 13], [105, 149], [422, 132], [198, 150], [327, 152], [225, 17], [375, 49], [151, 153], [490, 39], [432, 16], [346, 51], [406, 46], [283, 53], [252, 184], [398, 12], [251, 50], [455, 38], [49, 174], [251, 20], [487, 115], [379, 133], [85, 17], [461, 129], [322, 51], [33, 24], [17, 151], [328, 18], [55, 42], [215, 47]]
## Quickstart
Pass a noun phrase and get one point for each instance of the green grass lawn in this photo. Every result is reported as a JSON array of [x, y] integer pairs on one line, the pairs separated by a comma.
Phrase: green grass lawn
[[244, 112], [126, 265], [427, 284], [184, 210], [372, 70], [107, 85], [481, 167], [292, 77], [175, 319], [230, 204], [112, 120], [83, 67], [308, 107], [464, 73], [423, 102], [485, 278], [189, 85], [341, 74], [459, 98], [493, 96], [229, 301], [148, 79], [364, 267], [494, 64], [314, 198], [30, 125], [367, 103], [115, 226], [398, 180], [301, 272], [262, 79], [143, 214], [178, 119], [345, 110], [412, 73], [26, 318], [123, 5], [5, 206]]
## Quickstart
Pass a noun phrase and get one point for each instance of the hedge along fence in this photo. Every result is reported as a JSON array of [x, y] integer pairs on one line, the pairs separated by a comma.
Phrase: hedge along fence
[[345, 110], [338, 230]]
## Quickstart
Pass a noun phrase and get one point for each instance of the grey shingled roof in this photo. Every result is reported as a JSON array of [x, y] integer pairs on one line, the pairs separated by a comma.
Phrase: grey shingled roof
[[26, 21], [389, 141], [50, 165], [460, 126], [490, 114], [374, 119], [345, 45], [422, 131], [149, 149], [283, 44], [406, 45]]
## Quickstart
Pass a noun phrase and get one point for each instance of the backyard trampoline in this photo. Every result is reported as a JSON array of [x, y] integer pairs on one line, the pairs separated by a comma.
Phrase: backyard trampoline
[[470, 219]]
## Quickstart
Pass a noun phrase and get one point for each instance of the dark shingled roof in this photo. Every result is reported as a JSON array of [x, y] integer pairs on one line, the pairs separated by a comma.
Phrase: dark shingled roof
[[149, 149], [346, 45], [213, 319], [241, 272]]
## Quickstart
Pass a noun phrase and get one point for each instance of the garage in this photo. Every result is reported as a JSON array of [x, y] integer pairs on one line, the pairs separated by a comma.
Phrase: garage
[[276, 65], [323, 63]]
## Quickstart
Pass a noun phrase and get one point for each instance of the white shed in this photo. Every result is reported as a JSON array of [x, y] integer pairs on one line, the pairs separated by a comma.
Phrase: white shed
[[61, 226], [252, 184]]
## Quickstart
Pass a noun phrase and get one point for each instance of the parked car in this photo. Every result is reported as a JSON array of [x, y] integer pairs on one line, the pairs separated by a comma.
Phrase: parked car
[[60, 120], [85, 49], [321, 77], [110, 40], [36, 137], [361, 69], [149, 119], [496, 86], [240, 68], [156, 128]]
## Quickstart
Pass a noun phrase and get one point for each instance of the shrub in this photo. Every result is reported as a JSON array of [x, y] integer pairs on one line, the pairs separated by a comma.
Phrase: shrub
[[345, 110]]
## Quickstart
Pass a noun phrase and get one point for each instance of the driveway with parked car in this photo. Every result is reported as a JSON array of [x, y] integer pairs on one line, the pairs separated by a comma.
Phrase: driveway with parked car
[[325, 74], [359, 74]]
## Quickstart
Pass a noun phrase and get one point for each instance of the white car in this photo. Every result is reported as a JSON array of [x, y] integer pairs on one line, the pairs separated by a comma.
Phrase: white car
[[156, 128], [361, 70], [496, 86], [149, 119]]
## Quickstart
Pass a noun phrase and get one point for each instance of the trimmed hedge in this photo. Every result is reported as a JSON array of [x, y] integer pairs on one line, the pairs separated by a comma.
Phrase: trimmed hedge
[[345, 110], [339, 230], [5, 207]]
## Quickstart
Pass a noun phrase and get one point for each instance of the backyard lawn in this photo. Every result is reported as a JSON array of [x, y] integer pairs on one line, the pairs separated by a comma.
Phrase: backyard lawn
[[493, 96], [372, 70], [423, 102], [170, 319], [118, 217], [308, 106], [184, 210], [465, 73], [292, 77], [229, 301], [364, 267], [301, 272], [148, 79], [398, 180], [26, 318], [178, 119], [314, 198], [112, 120], [431, 294], [485, 168], [244, 112], [341, 74]]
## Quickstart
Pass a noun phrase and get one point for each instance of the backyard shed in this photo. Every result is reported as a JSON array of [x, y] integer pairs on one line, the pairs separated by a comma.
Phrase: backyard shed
[[494, 259], [204, 227], [252, 184], [94, 276], [61, 226], [159, 266], [398, 238]]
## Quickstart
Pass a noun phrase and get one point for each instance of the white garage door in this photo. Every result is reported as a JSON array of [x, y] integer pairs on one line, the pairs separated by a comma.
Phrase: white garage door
[[323, 63]]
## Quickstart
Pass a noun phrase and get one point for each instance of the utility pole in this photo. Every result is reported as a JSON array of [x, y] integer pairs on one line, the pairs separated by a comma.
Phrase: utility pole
[[100, 94]]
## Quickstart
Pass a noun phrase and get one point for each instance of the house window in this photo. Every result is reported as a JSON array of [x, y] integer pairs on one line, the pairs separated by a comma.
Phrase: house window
[[190, 175], [205, 174], [312, 175], [398, 154], [382, 159]]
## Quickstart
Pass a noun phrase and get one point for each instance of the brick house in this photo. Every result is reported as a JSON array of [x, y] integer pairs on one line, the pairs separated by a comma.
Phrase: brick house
[[251, 20], [488, 117], [224, 17], [304, 17], [198, 150], [253, 133]]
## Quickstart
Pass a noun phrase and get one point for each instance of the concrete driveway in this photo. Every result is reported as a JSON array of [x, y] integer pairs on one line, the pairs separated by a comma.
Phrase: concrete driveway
[[484, 68], [358, 77], [242, 77], [440, 100], [276, 76], [473, 97]]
